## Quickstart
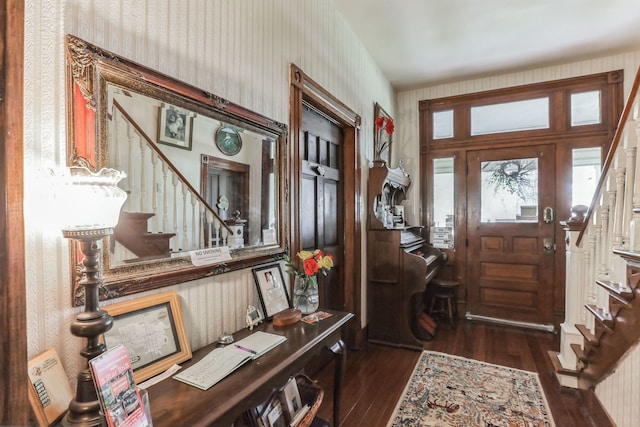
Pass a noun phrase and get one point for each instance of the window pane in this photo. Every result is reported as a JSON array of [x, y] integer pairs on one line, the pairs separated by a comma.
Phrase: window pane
[[443, 124], [585, 174], [443, 203], [585, 108], [509, 191], [510, 116]]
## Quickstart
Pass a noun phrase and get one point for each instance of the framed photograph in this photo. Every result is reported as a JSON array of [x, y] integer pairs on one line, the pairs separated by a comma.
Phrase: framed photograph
[[271, 289], [383, 128], [152, 330], [228, 140], [174, 127]]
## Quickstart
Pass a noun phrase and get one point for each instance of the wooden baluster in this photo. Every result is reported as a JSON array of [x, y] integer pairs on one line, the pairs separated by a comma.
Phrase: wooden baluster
[[133, 167], [174, 218], [194, 223], [154, 192], [630, 152], [185, 226], [143, 173], [217, 238], [165, 198], [634, 227], [605, 251]]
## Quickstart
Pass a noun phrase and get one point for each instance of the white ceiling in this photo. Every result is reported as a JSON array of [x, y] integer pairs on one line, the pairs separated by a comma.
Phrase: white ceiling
[[421, 42]]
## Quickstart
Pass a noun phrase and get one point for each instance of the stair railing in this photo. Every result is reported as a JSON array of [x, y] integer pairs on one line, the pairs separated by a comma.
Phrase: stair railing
[[154, 185], [601, 241]]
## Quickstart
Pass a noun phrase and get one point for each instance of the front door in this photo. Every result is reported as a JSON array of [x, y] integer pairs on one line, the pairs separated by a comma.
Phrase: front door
[[321, 198], [511, 245]]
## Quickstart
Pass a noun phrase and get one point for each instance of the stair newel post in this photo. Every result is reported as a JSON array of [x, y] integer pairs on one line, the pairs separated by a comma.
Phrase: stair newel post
[[630, 151], [575, 256]]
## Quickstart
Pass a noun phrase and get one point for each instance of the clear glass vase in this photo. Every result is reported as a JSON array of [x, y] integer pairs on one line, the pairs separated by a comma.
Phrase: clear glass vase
[[305, 294]]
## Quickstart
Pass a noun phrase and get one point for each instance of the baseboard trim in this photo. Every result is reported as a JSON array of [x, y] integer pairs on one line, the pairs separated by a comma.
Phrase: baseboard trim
[[527, 325]]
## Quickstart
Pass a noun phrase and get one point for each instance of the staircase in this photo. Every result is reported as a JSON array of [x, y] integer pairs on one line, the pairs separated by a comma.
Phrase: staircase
[[132, 233], [602, 308]]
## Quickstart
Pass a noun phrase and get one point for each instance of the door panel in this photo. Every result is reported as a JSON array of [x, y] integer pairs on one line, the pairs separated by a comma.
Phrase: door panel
[[321, 200], [510, 273]]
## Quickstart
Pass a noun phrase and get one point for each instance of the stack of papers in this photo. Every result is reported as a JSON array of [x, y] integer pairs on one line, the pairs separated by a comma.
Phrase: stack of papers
[[220, 362]]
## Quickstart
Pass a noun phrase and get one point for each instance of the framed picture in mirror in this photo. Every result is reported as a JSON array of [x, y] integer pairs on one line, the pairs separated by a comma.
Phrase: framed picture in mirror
[[174, 127], [228, 140]]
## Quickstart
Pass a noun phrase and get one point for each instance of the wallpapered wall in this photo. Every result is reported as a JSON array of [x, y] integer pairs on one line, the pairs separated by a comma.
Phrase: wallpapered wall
[[240, 50]]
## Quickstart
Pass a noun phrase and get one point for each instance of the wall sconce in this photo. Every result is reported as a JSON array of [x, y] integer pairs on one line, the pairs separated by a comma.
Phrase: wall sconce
[[92, 203]]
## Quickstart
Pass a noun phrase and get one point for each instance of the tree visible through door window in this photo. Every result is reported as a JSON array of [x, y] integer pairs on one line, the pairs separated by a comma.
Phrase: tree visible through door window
[[510, 191]]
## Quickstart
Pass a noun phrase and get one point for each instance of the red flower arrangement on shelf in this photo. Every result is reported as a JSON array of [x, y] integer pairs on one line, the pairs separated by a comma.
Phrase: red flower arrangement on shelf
[[386, 125]]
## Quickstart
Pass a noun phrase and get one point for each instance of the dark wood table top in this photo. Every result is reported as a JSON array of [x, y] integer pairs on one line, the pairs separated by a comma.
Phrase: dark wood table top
[[174, 403]]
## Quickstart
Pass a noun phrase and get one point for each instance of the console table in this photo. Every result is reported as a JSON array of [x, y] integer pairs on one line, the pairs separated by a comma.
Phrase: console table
[[175, 403]]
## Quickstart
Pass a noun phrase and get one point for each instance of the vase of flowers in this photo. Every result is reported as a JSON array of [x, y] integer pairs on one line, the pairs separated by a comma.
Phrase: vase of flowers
[[305, 286]]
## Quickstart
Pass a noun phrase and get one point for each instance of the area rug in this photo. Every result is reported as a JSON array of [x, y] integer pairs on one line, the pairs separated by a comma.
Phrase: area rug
[[451, 391]]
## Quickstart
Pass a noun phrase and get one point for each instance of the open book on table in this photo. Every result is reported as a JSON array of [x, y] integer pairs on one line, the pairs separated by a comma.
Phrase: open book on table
[[221, 362]]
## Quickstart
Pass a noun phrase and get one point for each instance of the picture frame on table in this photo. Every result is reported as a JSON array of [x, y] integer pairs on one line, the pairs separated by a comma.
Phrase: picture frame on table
[[272, 289], [49, 388], [174, 127], [153, 331], [382, 141]]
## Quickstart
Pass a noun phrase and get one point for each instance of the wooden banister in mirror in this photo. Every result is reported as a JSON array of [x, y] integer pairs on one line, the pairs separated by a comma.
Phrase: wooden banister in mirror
[[202, 172]]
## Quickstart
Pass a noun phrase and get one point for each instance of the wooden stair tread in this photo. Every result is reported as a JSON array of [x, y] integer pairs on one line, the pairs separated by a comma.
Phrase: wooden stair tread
[[617, 290], [605, 319], [557, 366], [579, 351], [589, 337]]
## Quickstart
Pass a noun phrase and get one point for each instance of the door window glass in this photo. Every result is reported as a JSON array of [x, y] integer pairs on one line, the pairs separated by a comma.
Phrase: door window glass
[[510, 116], [443, 124], [509, 191], [585, 174], [585, 108], [443, 203]]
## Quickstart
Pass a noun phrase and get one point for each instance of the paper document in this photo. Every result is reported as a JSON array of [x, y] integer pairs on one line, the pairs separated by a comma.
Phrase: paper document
[[214, 367], [258, 343]]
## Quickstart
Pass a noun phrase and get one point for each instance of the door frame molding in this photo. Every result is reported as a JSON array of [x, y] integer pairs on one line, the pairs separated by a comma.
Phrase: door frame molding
[[14, 404], [305, 89]]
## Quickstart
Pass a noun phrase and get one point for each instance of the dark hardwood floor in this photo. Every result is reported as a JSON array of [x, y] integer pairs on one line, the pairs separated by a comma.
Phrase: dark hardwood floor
[[376, 376]]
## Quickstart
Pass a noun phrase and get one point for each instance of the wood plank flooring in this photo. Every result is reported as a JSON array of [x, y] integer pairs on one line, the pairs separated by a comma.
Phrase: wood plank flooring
[[376, 376]]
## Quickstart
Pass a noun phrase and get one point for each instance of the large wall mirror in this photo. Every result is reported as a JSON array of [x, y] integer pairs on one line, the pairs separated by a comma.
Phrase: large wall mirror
[[202, 172]]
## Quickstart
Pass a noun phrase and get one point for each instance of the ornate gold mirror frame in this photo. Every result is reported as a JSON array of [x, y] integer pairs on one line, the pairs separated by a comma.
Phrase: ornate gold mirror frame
[[123, 115]]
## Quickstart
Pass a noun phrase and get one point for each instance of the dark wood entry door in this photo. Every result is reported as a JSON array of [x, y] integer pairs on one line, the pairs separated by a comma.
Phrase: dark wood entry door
[[511, 245], [321, 198]]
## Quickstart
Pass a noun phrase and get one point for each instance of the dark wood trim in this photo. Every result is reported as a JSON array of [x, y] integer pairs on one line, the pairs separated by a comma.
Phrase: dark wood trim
[[14, 402], [303, 88]]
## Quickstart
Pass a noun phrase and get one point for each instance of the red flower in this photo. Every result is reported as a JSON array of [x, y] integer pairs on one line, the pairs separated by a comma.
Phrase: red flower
[[390, 127], [310, 266], [378, 123]]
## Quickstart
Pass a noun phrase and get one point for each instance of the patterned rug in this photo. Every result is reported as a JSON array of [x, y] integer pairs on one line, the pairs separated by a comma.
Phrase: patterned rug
[[451, 391]]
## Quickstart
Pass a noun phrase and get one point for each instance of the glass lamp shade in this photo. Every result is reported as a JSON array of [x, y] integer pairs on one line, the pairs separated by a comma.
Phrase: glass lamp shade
[[90, 200]]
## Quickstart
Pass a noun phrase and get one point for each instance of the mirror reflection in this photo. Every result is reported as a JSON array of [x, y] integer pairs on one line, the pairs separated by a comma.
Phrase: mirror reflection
[[230, 169]]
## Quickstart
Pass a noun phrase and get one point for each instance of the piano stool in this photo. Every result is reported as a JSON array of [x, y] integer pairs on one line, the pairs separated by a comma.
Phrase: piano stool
[[444, 299]]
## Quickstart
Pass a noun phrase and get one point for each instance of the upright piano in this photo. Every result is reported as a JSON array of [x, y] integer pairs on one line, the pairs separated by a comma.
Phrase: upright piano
[[400, 264]]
